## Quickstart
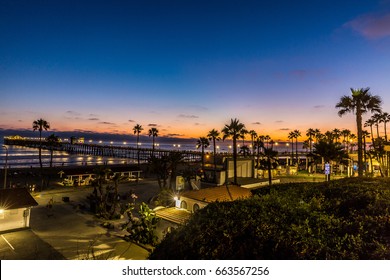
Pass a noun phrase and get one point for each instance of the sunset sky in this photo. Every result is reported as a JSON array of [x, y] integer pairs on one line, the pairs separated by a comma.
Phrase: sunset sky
[[187, 67]]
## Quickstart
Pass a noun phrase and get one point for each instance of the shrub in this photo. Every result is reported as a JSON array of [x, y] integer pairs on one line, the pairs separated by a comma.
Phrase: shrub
[[343, 219]]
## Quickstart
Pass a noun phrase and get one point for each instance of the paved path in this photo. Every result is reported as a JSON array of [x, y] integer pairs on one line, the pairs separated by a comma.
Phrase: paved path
[[66, 232]]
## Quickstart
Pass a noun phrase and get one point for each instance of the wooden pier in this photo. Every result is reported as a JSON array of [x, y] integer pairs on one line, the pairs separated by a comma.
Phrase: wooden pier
[[103, 150]]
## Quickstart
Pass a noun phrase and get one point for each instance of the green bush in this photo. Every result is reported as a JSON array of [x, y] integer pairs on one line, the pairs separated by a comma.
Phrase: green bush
[[343, 219]]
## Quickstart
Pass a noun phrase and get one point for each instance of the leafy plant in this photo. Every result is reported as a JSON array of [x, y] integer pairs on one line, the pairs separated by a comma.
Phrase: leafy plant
[[343, 219]]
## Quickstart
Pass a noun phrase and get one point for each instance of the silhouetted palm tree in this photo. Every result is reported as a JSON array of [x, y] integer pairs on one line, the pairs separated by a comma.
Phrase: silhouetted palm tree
[[203, 143], [291, 137], [297, 134], [40, 125], [137, 130], [336, 134], [213, 135], [52, 141], [360, 102], [310, 133], [154, 133], [385, 118], [253, 135], [234, 131]]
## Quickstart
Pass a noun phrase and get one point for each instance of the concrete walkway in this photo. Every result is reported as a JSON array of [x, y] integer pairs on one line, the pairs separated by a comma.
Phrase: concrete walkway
[[69, 232]]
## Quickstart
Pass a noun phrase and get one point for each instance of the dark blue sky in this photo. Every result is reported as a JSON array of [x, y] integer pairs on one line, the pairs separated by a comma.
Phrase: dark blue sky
[[189, 66]]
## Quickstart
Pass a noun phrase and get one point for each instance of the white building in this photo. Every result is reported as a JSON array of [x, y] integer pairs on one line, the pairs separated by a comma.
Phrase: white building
[[15, 209]]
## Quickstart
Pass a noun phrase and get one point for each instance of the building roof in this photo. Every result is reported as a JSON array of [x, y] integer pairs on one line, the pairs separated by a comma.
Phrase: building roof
[[16, 198], [218, 194], [173, 214]]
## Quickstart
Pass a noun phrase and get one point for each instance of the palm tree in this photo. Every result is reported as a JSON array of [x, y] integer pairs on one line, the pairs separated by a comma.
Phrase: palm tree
[[253, 135], [234, 131], [258, 145], [310, 133], [291, 137], [329, 151], [154, 133], [40, 125], [203, 143], [377, 119], [385, 118], [271, 157], [297, 134], [359, 103], [346, 133], [365, 134], [336, 134], [329, 136], [214, 136], [243, 133], [52, 141], [137, 130]]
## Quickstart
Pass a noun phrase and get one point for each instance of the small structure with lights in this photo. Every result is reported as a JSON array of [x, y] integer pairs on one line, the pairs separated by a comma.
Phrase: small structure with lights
[[15, 209]]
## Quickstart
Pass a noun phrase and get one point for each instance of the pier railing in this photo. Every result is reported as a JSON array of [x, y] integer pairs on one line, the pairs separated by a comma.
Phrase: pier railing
[[103, 150]]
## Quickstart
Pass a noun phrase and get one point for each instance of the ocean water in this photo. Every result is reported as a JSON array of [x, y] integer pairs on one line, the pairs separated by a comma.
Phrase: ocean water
[[23, 157]]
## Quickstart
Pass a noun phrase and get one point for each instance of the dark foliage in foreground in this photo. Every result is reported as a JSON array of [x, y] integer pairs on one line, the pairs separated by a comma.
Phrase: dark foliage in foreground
[[344, 219]]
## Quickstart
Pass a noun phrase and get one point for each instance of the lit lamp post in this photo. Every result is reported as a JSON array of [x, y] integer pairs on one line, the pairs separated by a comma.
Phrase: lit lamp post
[[5, 166]]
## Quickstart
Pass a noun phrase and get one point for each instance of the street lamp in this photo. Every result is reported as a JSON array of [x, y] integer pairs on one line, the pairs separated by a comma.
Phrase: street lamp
[[5, 166]]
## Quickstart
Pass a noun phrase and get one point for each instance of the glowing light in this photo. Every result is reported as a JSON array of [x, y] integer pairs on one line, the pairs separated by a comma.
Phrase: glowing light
[[100, 141], [175, 198], [1, 211], [124, 143]]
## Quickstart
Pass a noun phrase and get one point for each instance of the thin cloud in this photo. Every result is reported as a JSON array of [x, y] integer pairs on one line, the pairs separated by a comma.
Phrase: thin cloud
[[319, 106], [152, 124], [188, 116], [73, 113], [299, 73], [131, 121], [93, 119], [174, 135], [110, 123], [257, 123], [279, 121], [371, 26], [284, 129]]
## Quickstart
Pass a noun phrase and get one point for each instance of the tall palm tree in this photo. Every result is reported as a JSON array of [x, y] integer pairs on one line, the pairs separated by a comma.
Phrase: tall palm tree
[[52, 140], [329, 136], [385, 118], [297, 134], [361, 101], [336, 134], [377, 119], [243, 133], [137, 130], [40, 125], [154, 133], [346, 133], [234, 131], [259, 144], [203, 143], [213, 135], [365, 134], [291, 137], [310, 133]]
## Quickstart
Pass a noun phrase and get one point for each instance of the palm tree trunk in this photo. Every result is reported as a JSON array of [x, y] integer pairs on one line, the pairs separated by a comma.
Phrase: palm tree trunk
[[235, 160], [40, 150], [359, 136], [296, 151], [138, 148], [215, 161]]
